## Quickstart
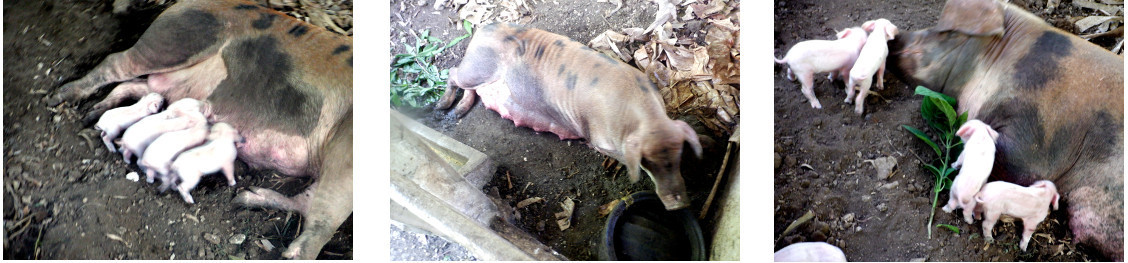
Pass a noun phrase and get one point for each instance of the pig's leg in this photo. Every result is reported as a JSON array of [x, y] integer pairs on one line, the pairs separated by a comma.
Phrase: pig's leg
[[332, 203], [1028, 227], [952, 203], [448, 96], [881, 76], [123, 91], [807, 81], [849, 89], [172, 42], [229, 172], [863, 90], [989, 219], [959, 160], [466, 103], [968, 212]]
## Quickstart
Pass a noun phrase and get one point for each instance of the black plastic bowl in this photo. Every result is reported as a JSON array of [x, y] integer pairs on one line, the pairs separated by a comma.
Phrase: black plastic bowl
[[640, 228]]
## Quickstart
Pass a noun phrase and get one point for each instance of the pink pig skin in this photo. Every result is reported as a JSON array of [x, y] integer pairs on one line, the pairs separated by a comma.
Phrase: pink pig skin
[[818, 56], [164, 149], [871, 60], [138, 136], [977, 159], [1027, 203], [218, 154], [810, 252], [115, 121]]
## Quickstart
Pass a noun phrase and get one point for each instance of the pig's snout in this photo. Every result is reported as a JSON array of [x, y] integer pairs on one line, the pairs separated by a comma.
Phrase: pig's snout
[[674, 201]]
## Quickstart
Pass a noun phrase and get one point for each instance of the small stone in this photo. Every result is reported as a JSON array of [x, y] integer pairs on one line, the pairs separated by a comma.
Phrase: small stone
[[848, 218], [882, 207], [778, 161], [890, 186], [200, 253], [211, 238], [866, 198], [237, 239]]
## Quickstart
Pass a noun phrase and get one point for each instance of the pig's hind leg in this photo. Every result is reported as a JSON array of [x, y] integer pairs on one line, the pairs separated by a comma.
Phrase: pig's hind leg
[[174, 41]]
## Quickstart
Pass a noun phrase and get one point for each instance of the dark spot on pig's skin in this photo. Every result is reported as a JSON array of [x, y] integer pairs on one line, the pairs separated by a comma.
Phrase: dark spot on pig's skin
[[559, 43], [561, 70], [261, 87], [173, 40], [594, 81], [520, 47], [570, 82], [520, 30], [1041, 64], [246, 7], [340, 49], [643, 84], [527, 96], [1025, 153], [540, 52], [489, 28], [298, 30], [350, 61], [264, 21], [609, 59], [596, 65]]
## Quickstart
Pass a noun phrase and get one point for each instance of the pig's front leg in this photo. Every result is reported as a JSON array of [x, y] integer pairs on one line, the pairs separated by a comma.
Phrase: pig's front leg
[[120, 93]]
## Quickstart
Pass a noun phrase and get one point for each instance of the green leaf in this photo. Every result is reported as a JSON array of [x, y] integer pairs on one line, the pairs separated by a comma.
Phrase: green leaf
[[921, 90], [924, 137], [946, 108], [949, 227], [469, 27]]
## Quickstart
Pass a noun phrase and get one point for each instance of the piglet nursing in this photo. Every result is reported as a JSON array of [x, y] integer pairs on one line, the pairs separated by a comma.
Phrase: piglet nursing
[[138, 136], [1027, 203], [218, 154], [164, 149], [977, 159], [811, 57], [114, 121]]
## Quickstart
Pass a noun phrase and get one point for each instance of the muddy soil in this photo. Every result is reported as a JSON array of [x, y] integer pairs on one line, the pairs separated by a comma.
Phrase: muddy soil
[[66, 195], [542, 165], [823, 155]]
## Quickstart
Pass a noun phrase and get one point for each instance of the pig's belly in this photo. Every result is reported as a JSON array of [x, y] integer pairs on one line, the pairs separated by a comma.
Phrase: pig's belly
[[265, 148], [527, 107]]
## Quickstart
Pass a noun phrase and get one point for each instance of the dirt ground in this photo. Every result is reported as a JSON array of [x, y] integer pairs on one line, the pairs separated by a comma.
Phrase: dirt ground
[[65, 194], [876, 219], [541, 165]]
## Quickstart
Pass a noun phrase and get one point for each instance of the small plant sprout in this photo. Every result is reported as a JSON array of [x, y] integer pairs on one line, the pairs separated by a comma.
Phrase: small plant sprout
[[938, 112]]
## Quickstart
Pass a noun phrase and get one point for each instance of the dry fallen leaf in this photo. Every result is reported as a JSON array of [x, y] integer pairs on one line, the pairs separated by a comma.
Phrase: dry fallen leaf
[[528, 201], [564, 218]]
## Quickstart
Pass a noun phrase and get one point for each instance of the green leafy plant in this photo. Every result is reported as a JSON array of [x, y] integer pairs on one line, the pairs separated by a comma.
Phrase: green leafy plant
[[416, 80], [949, 228], [940, 115]]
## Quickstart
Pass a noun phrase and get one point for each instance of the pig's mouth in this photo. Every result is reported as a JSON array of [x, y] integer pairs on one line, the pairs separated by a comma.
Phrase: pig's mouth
[[674, 201]]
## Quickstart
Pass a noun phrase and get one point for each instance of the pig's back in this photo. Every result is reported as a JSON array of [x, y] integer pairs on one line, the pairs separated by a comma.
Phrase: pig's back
[[548, 82]]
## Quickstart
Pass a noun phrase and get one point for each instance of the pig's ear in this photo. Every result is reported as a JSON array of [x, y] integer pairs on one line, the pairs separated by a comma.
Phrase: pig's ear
[[994, 134], [965, 131], [690, 137], [632, 157], [1056, 196], [890, 31], [868, 25], [972, 17]]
